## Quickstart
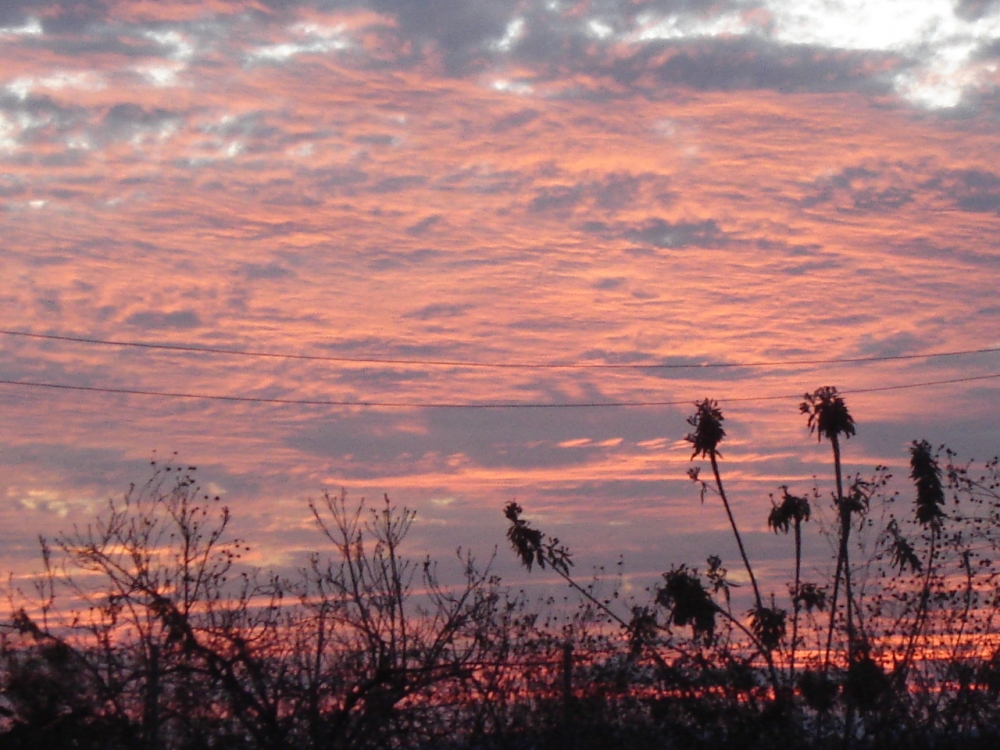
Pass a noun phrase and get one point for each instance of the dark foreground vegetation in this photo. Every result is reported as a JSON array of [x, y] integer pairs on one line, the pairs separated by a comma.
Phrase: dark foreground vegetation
[[147, 630]]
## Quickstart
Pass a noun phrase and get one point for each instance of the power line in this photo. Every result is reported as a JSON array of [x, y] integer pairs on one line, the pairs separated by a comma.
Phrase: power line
[[439, 405], [497, 365]]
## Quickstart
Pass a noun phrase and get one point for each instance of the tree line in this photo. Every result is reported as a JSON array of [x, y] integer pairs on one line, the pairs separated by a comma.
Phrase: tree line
[[147, 628]]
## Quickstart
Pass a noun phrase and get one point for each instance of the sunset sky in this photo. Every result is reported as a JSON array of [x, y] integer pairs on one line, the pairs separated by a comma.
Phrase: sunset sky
[[435, 186]]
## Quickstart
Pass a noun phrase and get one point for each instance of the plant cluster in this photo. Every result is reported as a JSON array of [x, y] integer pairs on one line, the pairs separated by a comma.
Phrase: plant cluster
[[897, 646], [147, 629]]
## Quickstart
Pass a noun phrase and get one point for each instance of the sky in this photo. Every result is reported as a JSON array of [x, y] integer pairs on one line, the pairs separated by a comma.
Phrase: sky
[[447, 198]]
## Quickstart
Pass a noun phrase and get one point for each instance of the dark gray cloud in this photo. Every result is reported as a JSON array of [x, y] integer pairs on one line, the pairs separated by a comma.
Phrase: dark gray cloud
[[678, 367], [69, 15], [100, 41], [424, 226], [343, 180], [59, 15], [515, 120], [610, 283], [380, 259], [748, 63], [972, 190], [264, 271], [903, 342], [678, 234], [11, 186], [437, 310], [375, 139], [291, 197], [972, 10], [399, 183], [386, 346], [123, 121], [660, 233], [159, 320], [560, 200], [865, 189], [457, 29], [607, 195], [884, 188]]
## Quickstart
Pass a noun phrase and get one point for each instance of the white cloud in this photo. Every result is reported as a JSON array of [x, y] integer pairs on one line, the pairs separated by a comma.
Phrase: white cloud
[[21, 87], [513, 34], [50, 501], [928, 31], [77, 80], [941, 83], [78, 142], [31, 27], [216, 489], [315, 40], [161, 76], [599, 29], [8, 134], [513, 87], [653, 28], [179, 53], [178, 45], [14, 124], [861, 24]]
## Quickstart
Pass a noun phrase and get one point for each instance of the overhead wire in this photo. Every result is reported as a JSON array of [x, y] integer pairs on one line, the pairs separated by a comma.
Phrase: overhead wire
[[445, 405], [495, 365]]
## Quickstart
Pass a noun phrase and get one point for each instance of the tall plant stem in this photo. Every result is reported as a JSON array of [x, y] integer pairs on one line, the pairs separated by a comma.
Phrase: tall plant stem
[[843, 568], [835, 442], [736, 530], [833, 614], [796, 605], [921, 615], [843, 563], [766, 652]]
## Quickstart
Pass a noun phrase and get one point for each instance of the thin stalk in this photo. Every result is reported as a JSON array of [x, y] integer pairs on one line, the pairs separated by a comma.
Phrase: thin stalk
[[736, 530], [843, 563], [921, 615], [766, 652], [796, 604], [845, 568]]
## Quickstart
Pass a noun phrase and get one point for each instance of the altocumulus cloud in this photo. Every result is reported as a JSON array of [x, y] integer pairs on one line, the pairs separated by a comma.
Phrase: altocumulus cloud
[[447, 179]]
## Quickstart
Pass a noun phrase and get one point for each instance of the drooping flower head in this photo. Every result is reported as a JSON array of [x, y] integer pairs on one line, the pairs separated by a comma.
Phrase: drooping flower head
[[791, 510], [926, 473], [828, 415], [685, 597], [708, 431]]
